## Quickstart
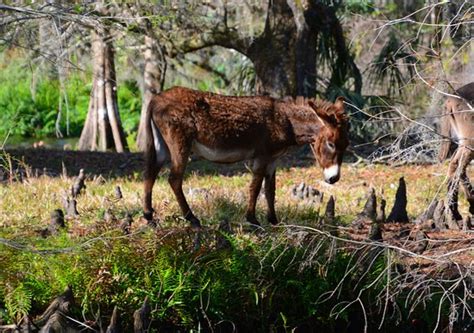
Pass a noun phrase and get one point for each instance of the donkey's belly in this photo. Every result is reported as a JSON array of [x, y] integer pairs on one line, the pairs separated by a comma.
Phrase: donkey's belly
[[222, 155]]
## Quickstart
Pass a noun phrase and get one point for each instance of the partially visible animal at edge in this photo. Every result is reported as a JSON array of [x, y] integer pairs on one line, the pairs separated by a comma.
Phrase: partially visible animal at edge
[[229, 129], [457, 126]]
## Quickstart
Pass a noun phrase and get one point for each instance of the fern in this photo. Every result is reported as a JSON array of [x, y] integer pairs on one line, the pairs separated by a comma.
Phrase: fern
[[18, 302]]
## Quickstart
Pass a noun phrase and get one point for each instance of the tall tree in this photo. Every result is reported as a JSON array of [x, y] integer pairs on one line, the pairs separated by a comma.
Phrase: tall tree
[[103, 128], [154, 69], [285, 54]]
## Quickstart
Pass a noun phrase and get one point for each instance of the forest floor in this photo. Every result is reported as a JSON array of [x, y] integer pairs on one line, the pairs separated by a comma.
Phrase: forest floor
[[424, 182], [216, 193]]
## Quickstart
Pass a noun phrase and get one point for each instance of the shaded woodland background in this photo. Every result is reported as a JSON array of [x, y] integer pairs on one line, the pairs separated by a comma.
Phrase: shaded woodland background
[[70, 69]]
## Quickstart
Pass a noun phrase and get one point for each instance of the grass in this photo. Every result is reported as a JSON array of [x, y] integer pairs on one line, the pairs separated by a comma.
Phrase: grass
[[273, 278], [44, 194]]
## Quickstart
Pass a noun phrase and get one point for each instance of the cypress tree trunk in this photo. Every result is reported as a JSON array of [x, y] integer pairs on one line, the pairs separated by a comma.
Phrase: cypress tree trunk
[[153, 79], [103, 128], [284, 55]]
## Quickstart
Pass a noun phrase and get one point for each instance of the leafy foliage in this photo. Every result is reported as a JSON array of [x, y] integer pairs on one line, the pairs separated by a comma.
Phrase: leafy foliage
[[29, 101], [18, 302], [252, 284], [392, 67]]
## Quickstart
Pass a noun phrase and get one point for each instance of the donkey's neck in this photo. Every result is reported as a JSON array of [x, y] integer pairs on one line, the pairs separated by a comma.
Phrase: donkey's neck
[[305, 124]]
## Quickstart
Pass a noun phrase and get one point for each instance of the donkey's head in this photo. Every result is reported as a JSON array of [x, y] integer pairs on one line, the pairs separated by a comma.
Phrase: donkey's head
[[331, 141]]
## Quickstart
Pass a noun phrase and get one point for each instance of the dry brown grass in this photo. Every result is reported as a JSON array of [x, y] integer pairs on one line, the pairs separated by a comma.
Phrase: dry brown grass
[[28, 204]]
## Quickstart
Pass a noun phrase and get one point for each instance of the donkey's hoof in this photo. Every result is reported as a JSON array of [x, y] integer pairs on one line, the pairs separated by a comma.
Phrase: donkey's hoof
[[152, 223], [194, 221], [252, 220], [148, 216], [196, 226], [272, 220]]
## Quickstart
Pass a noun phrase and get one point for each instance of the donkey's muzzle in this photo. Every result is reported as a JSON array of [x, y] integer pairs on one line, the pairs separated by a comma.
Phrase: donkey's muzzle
[[332, 180], [332, 174]]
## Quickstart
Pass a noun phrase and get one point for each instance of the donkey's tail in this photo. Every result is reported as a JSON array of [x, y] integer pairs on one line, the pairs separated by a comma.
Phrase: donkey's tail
[[445, 132], [150, 151]]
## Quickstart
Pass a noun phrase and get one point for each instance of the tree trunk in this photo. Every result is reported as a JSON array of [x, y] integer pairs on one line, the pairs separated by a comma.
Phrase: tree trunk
[[111, 100], [153, 79], [284, 55], [274, 54], [103, 128]]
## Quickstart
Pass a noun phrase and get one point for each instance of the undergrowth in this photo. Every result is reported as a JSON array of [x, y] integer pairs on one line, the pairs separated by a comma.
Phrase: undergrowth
[[275, 278]]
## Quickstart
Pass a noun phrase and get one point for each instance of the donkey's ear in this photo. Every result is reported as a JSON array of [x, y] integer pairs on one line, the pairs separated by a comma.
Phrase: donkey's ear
[[339, 104], [323, 117], [339, 113]]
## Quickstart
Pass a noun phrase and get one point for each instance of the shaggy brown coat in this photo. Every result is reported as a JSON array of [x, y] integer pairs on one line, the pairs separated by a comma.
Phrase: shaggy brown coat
[[228, 129]]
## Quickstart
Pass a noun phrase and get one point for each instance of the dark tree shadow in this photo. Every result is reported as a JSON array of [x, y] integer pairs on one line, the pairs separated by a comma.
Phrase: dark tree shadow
[[112, 165]]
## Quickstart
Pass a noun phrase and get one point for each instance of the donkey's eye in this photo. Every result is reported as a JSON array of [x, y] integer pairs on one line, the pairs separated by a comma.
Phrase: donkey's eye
[[330, 145]]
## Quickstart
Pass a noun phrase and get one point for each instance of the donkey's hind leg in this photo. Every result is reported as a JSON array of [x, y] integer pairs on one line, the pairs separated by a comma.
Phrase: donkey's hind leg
[[151, 172], [258, 173], [453, 184], [465, 182], [179, 159], [156, 155]]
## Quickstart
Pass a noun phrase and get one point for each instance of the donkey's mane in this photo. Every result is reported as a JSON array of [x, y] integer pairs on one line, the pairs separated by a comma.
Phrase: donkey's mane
[[322, 105]]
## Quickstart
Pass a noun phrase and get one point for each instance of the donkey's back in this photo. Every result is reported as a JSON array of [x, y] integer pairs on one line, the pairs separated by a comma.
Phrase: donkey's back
[[221, 128]]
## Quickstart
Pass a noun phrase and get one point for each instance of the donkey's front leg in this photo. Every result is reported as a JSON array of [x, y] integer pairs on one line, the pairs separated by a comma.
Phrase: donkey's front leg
[[270, 193], [254, 191], [175, 179]]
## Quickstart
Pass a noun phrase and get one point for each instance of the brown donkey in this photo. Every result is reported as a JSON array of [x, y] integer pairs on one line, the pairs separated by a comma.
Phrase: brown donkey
[[457, 123], [229, 129]]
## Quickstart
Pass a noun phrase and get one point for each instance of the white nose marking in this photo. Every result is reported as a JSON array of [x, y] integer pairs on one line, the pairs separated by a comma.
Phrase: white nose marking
[[332, 171]]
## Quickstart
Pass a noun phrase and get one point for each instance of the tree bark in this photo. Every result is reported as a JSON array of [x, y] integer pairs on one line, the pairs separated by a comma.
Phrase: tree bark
[[111, 99], [103, 128], [273, 52], [153, 79], [285, 54]]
